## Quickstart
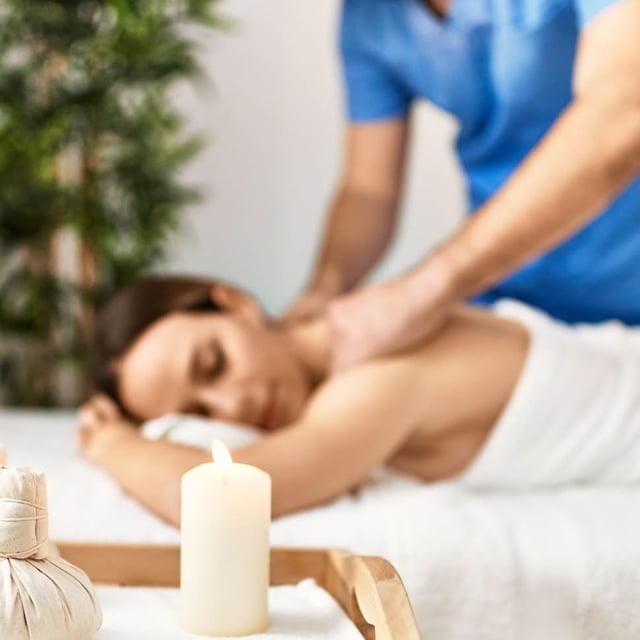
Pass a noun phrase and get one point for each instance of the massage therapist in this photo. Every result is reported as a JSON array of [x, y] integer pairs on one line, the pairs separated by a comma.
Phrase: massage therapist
[[547, 97]]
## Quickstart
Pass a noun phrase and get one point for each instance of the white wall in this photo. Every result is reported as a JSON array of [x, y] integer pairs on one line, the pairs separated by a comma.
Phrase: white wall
[[273, 116]]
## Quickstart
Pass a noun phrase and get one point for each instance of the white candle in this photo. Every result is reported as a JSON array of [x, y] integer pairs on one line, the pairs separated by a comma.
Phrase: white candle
[[224, 571]]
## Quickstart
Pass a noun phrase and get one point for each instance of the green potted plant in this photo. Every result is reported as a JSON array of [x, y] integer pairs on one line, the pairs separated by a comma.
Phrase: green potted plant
[[90, 151]]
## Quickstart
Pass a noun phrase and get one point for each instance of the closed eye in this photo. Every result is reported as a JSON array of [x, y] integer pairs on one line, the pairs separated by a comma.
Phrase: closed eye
[[211, 362], [207, 363], [218, 362]]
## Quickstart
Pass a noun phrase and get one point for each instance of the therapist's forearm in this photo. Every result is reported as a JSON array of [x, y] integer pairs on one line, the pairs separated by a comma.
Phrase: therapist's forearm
[[358, 231], [585, 161]]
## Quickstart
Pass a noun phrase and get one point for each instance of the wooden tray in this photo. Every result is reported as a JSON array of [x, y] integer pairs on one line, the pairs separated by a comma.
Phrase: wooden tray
[[368, 588]]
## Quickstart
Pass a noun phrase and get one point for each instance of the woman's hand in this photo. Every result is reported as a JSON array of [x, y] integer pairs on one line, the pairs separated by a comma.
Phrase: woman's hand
[[101, 425], [99, 408]]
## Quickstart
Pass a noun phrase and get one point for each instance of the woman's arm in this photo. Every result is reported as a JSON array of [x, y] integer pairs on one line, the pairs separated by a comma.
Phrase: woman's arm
[[147, 470], [354, 424]]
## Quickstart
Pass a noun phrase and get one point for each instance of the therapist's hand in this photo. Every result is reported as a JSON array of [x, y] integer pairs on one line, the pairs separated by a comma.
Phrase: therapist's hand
[[310, 304], [384, 319]]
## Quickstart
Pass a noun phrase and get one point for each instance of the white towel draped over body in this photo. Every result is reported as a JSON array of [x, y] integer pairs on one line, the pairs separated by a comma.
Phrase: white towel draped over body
[[41, 597], [574, 417]]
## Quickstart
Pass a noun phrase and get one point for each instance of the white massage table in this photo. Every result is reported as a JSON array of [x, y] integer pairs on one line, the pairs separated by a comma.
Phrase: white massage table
[[559, 565]]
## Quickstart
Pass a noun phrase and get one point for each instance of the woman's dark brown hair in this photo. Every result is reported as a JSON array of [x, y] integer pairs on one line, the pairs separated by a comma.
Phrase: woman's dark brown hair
[[130, 311]]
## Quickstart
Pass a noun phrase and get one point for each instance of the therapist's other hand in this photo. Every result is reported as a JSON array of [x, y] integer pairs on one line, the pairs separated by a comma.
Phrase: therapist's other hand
[[311, 304], [383, 319]]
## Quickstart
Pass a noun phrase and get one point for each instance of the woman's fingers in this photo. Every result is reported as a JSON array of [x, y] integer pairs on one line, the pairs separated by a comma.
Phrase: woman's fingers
[[106, 408], [86, 430], [87, 414], [99, 408]]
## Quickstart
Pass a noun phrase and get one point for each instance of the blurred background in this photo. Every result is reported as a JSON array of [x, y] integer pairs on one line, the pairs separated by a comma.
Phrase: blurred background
[[177, 135]]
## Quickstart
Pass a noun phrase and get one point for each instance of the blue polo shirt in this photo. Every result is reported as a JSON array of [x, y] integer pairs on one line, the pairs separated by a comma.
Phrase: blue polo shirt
[[503, 69]]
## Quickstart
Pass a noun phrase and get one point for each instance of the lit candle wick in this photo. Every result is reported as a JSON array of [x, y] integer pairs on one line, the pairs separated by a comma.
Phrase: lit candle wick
[[221, 454]]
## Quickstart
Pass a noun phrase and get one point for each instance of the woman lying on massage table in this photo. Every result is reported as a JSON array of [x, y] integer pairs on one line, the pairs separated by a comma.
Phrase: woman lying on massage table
[[168, 345]]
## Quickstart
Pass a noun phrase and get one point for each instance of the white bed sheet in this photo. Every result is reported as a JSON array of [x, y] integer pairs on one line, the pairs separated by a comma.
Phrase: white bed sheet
[[562, 565]]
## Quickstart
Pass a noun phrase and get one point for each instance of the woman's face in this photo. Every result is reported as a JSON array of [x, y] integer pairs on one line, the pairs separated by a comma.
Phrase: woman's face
[[221, 365]]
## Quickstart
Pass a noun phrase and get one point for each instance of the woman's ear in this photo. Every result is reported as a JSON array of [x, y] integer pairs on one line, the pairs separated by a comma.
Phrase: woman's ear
[[234, 300]]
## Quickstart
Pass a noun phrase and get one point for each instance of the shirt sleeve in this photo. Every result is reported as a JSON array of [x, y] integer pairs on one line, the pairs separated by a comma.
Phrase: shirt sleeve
[[588, 9], [372, 91]]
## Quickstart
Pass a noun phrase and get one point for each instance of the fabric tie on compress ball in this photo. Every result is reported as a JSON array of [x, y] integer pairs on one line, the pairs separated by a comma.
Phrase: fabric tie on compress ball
[[41, 597], [24, 523]]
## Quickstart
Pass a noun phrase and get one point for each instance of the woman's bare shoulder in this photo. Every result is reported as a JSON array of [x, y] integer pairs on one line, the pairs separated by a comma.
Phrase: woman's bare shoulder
[[377, 389]]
